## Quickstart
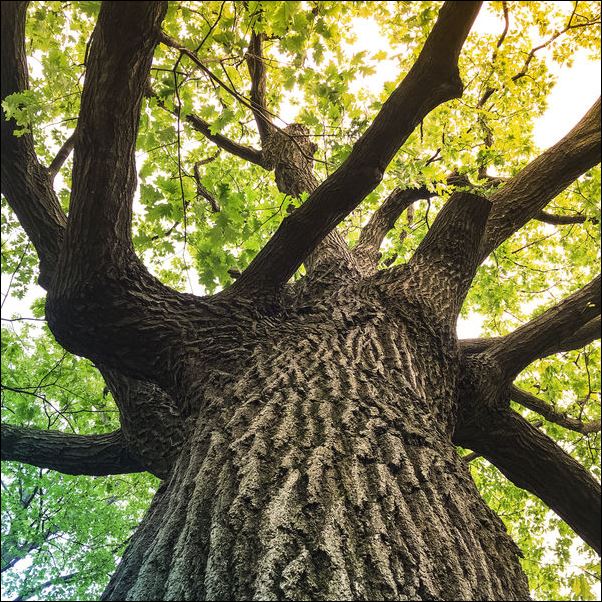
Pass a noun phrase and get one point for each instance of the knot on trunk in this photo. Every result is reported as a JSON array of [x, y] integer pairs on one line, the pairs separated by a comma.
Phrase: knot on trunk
[[289, 152]]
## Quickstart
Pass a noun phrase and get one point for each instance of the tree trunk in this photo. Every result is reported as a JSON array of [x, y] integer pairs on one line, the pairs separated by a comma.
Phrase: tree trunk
[[324, 470]]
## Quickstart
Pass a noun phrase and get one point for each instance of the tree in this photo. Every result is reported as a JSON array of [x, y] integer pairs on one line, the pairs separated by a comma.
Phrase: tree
[[304, 415]]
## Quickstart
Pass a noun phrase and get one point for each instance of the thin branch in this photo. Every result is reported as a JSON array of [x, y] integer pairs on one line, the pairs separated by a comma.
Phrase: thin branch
[[201, 191], [61, 156], [471, 456], [264, 113], [240, 150], [14, 273], [531, 54], [38, 589], [533, 403], [561, 220], [168, 41], [494, 56], [211, 27]]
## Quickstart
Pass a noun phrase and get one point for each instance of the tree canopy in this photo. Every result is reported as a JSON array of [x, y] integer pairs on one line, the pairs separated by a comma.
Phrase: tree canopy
[[207, 202]]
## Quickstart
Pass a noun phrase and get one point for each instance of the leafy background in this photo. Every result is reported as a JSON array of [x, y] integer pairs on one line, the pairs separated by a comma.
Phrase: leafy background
[[330, 67]]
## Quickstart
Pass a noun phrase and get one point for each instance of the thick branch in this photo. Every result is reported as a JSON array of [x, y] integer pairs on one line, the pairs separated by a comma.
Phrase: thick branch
[[582, 337], [525, 195], [432, 80], [527, 400], [25, 182], [383, 220], [29, 191], [96, 455], [244, 152], [448, 256], [104, 304], [104, 171], [535, 339], [532, 461], [256, 66]]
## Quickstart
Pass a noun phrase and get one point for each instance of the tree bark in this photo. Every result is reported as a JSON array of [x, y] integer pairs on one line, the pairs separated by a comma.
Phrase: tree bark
[[304, 433], [433, 79], [69, 453], [532, 461], [325, 471]]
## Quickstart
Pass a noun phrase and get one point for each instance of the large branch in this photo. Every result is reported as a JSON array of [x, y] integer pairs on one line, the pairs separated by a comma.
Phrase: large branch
[[25, 182], [96, 455], [533, 403], [447, 259], [432, 80], [534, 340], [256, 66], [30, 194], [580, 338], [104, 171], [526, 194], [104, 304], [532, 461]]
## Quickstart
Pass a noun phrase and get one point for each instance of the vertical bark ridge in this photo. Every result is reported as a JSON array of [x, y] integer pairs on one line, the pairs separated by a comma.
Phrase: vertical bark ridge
[[322, 471]]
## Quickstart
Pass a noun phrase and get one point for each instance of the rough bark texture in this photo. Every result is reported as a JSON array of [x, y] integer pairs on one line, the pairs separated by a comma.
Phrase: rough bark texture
[[535, 463], [323, 469], [305, 432], [67, 453]]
